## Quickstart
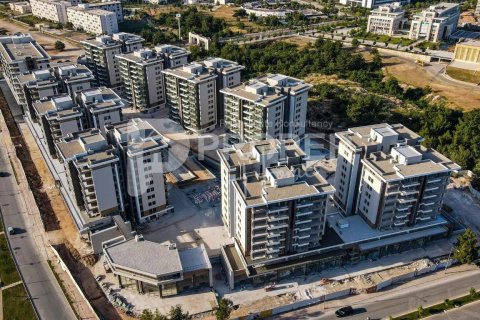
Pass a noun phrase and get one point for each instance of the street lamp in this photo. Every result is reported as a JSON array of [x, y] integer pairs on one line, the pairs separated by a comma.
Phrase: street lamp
[[178, 16]]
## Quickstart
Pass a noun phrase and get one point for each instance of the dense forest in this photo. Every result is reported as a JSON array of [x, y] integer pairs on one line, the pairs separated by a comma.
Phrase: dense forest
[[453, 132]]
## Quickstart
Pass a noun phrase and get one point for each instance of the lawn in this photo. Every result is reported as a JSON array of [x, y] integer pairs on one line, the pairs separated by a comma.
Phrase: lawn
[[8, 272], [16, 306], [31, 20], [464, 75]]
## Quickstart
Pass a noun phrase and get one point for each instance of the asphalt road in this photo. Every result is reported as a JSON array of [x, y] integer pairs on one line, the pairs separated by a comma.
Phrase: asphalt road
[[397, 301], [29, 252], [468, 312]]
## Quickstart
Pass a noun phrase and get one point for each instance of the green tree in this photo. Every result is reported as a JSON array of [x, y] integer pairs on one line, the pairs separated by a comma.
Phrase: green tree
[[240, 13], [59, 45], [146, 315], [473, 293], [420, 311], [355, 43], [466, 247], [176, 313], [447, 303], [225, 307]]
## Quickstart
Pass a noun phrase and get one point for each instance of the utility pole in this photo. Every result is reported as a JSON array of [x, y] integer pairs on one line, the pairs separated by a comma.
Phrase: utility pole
[[179, 16]]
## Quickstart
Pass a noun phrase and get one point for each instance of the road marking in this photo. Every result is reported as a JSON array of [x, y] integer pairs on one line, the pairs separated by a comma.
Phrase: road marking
[[12, 285]]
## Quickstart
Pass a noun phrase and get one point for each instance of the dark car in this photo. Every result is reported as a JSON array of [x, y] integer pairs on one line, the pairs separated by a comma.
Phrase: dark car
[[344, 312], [4, 174]]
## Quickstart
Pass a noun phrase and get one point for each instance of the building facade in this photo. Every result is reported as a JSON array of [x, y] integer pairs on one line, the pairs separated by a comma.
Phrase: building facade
[[73, 78], [436, 23], [20, 7], [142, 79], [101, 106], [468, 51], [52, 10], [403, 187], [93, 172], [91, 20], [38, 85], [386, 19], [143, 151], [113, 6], [371, 4], [356, 144], [101, 52], [272, 204], [173, 56], [21, 54], [58, 117], [191, 96]]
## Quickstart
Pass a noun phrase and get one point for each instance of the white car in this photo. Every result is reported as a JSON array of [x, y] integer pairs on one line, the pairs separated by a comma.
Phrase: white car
[[11, 230]]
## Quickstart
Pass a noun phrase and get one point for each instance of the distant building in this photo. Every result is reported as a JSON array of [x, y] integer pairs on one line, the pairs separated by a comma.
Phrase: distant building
[[95, 21], [52, 10], [21, 54], [93, 172], [386, 19], [20, 7], [101, 106], [135, 263], [229, 74], [58, 117], [477, 10], [436, 23], [371, 4], [191, 96], [101, 52], [173, 56], [273, 106], [113, 6], [142, 79], [468, 52], [143, 152]]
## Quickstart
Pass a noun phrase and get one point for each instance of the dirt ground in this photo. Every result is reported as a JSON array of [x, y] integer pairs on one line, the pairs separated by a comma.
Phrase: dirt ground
[[301, 42], [457, 94], [71, 51]]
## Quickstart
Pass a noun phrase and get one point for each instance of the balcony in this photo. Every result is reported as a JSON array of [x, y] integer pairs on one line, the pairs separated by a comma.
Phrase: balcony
[[410, 184], [299, 222], [277, 218]]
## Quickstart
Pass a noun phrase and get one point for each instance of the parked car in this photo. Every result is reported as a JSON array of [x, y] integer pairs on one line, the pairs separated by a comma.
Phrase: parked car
[[344, 312], [11, 230]]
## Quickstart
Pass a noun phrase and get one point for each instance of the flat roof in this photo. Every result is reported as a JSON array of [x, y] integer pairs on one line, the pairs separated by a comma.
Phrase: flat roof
[[267, 97], [145, 256], [19, 47], [184, 73], [193, 259]]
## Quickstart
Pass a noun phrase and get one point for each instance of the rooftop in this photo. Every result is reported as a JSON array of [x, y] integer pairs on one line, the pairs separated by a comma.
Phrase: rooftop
[[100, 98], [192, 72], [74, 72], [57, 103], [145, 256], [142, 56], [222, 65], [280, 81], [193, 259], [257, 92], [171, 50], [80, 143], [19, 47]]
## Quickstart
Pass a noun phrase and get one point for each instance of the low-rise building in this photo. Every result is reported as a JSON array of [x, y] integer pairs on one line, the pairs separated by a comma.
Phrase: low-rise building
[[38, 85], [53, 10], [371, 4], [74, 78], [272, 106], [101, 52], [173, 56], [386, 19], [143, 152], [191, 96], [229, 74], [91, 20], [58, 117], [20, 7], [436, 23], [158, 269], [101, 106], [468, 52], [142, 79], [21, 54], [93, 173], [403, 187]]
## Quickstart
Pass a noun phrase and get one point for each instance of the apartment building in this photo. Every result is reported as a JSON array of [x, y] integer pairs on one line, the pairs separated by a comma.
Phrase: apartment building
[[93, 172], [58, 117], [113, 6], [173, 56], [20, 7], [53, 10], [74, 78], [143, 152], [468, 52], [404, 187], [386, 19], [142, 79], [229, 74], [101, 52], [356, 144], [91, 20], [38, 85], [21, 54], [273, 204], [191, 96], [371, 4], [101, 106], [436, 23]]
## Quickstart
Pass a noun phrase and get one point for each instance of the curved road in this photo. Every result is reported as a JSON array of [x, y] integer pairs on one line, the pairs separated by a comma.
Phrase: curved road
[[28, 248]]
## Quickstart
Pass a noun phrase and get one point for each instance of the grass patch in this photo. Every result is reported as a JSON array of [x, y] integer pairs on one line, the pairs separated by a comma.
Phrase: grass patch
[[8, 271], [16, 305], [464, 75], [132, 26], [441, 307], [32, 20], [427, 45]]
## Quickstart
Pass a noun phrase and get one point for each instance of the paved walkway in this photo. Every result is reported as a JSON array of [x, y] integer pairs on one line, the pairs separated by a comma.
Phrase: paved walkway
[[12, 285], [467, 312]]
